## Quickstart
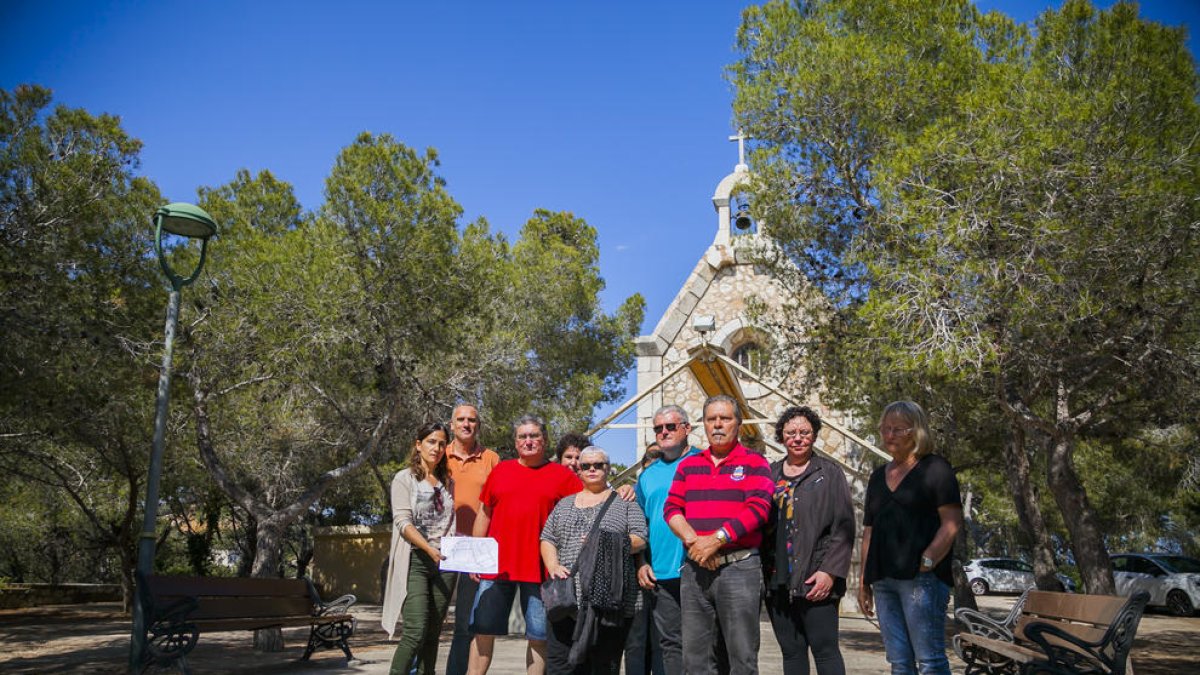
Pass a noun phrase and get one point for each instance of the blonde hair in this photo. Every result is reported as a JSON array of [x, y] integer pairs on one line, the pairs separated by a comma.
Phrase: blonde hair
[[914, 415]]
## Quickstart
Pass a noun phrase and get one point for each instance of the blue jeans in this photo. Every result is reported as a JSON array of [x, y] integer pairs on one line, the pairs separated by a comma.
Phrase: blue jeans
[[912, 619], [493, 602], [722, 603]]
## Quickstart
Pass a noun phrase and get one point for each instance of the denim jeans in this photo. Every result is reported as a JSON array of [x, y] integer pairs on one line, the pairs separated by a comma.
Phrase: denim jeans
[[912, 619], [493, 602], [721, 604]]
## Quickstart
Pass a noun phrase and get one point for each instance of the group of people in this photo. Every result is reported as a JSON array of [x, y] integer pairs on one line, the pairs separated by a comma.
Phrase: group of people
[[672, 571]]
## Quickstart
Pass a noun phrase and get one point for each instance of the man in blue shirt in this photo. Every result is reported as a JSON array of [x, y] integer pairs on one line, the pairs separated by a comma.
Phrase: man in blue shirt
[[659, 573]]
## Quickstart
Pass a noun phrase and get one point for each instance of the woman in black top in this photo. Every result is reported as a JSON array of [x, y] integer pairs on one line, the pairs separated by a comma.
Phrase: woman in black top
[[912, 513], [806, 548]]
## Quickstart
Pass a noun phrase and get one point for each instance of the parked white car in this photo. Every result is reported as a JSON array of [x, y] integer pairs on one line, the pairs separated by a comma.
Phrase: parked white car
[[1004, 575], [1173, 581]]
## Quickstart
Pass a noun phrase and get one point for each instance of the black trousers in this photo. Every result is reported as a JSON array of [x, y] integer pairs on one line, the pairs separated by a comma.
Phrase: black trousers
[[800, 626], [604, 658], [460, 646], [643, 648]]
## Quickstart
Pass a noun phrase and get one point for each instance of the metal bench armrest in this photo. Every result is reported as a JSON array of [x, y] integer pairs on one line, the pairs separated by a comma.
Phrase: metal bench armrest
[[978, 623], [339, 605]]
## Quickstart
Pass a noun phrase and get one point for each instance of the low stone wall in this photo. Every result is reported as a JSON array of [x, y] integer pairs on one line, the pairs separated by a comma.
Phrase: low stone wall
[[351, 559], [16, 596]]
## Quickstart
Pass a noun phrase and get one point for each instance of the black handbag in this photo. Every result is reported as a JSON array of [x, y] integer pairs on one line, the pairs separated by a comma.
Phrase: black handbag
[[558, 595]]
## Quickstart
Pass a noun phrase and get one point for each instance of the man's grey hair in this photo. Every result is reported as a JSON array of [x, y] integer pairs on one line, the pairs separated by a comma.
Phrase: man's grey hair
[[472, 406], [723, 398], [672, 408], [531, 419], [594, 450]]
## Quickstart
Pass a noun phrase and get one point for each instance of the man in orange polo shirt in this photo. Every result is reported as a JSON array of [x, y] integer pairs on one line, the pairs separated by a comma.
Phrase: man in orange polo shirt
[[469, 463]]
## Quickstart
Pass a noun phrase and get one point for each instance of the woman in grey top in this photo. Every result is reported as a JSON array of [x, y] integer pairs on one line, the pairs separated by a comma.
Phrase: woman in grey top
[[562, 540], [417, 592]]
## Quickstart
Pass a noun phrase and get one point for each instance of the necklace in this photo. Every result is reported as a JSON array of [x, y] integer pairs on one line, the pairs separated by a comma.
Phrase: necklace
[[591, 499]]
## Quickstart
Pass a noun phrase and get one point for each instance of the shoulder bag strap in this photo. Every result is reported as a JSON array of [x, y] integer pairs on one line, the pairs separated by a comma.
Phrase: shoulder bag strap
[[596, 523]]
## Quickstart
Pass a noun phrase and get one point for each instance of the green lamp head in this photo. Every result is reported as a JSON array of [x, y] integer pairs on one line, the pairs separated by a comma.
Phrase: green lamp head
[[185, 220]]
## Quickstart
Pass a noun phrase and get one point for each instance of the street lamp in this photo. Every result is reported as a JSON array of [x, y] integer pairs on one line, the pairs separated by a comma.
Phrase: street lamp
[[185, 220]]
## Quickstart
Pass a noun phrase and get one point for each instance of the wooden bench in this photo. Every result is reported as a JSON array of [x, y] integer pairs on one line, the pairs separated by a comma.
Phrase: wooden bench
[[179, 609], [1050, 632]]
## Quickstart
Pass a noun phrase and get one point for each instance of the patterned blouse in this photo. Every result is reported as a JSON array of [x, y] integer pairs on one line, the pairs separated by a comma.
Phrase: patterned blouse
[[433, 510], [568, 525]]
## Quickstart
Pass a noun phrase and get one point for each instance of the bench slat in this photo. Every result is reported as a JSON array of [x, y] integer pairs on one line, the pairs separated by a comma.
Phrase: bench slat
[[233, 586], [226, 607], [1002, 647], [1093, 609], [1084, 631], [215, 625]]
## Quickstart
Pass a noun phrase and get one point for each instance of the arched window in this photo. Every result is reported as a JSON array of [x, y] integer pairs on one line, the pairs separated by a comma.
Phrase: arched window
[[749, 355], [740, 220]]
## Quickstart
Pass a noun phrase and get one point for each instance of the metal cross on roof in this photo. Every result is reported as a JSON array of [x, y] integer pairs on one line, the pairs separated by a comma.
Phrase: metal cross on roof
[[741, 141]]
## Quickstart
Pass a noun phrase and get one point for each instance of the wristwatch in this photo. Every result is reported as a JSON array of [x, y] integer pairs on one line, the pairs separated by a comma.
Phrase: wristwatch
[[926, 562], [721, 536]]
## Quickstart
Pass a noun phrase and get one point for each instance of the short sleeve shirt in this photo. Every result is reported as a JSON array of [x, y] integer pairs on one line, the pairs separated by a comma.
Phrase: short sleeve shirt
[[568, 526], [469, 475], [665, 551], [520, 499], [905, 520]]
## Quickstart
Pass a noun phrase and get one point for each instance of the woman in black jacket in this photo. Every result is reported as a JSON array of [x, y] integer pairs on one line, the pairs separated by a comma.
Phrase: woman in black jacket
[[806, 550]]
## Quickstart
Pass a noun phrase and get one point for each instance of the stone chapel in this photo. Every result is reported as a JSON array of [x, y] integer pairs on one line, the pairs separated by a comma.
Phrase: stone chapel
[[711, 314], [708, 328]]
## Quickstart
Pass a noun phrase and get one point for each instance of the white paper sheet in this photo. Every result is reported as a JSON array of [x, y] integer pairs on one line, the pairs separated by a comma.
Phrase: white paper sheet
[[480, 555]]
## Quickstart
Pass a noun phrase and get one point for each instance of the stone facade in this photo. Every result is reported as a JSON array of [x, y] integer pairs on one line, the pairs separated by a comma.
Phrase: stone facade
[[734, 296], [722, 286]]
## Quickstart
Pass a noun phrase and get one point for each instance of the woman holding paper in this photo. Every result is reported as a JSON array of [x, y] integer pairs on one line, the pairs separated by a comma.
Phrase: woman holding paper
[[422, 513]]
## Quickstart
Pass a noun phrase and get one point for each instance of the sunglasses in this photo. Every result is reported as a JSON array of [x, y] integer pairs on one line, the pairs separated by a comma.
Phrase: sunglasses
[[437, 500], [588, 466], [669, 426]]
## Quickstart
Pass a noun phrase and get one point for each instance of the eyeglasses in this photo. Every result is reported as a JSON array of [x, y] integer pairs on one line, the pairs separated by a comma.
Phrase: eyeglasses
[[898, 431], [588, 466], [807, 433], [669, 427], [529, 437]]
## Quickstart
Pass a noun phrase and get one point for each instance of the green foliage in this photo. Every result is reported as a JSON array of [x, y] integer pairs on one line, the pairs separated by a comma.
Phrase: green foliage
[[1001, 218], [79, 310], [324, 339], [311, 347]]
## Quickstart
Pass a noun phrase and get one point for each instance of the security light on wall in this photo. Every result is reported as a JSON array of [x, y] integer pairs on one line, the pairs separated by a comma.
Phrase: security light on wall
[[704, 324]]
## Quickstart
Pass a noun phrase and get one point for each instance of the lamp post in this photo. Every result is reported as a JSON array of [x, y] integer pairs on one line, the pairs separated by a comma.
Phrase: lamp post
[[185, 220]]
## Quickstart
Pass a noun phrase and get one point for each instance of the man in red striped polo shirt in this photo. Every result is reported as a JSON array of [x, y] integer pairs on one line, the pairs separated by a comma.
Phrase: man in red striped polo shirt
[[718, 505]]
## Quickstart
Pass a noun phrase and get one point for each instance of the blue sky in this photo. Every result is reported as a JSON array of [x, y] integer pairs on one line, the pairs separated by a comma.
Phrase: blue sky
[[617, 111]]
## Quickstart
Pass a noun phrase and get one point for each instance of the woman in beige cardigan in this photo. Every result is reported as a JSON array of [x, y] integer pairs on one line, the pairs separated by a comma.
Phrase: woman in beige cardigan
[[417, 592]]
